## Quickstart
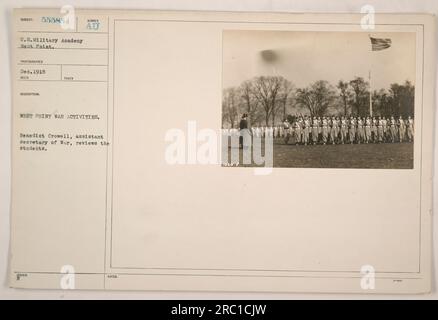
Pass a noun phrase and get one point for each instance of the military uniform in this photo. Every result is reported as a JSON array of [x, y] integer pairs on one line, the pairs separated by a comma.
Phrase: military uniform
[[344, 130], [401, 129], [392, 129], [374, 129], [385, 129], [324, 130], [360, 131], [306, 131], [380, 132], [352, 130], [315, 132], [410, 125], [333, 130], [368, 124], [286, 128]]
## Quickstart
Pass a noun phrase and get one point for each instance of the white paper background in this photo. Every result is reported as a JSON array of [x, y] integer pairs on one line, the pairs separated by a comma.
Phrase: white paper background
[[352, 6]]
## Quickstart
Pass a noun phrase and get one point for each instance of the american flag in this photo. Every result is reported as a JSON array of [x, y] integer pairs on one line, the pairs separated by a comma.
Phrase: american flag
[[380, 44]]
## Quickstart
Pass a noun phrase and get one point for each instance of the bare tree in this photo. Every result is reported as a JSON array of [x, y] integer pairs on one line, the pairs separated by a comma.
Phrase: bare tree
[[402, 99], [246, 90], [230, 106], [267, 91], [285, 95], [345, 94], [361, 96], [317, 98], [265, 98], [382, 103]]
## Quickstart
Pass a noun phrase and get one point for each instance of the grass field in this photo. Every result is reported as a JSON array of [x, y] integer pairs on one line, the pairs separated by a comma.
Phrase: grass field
[[377, 156]]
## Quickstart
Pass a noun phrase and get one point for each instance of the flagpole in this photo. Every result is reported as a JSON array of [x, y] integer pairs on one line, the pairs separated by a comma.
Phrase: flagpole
[[369, 79], [371, 95]]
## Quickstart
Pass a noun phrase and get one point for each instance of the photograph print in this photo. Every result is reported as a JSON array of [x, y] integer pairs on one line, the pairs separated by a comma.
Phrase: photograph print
[[319, 99]]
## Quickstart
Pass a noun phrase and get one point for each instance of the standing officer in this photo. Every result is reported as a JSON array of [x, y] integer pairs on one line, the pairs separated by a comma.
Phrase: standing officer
[[368, 124], [352, 129], [306, 130], [314, 130], [324, 129], [286, 128], [380, 132], [392, 129], [401, 129], [344, 129], [360, 130], [410, 125], [245, 134], [333, 129], [298, 128]]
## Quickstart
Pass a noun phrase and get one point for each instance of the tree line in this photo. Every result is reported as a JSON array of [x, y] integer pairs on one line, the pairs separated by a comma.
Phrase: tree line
[[269, 99]]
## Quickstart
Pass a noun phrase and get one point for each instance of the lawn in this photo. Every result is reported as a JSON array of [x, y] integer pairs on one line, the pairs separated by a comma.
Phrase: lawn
[[378, 156]]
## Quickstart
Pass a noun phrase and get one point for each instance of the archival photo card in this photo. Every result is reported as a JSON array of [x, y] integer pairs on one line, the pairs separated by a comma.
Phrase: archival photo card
[[220, 151]]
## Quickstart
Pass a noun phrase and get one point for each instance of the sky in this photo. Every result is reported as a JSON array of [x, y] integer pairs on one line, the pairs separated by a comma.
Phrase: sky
[[305, 57]]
